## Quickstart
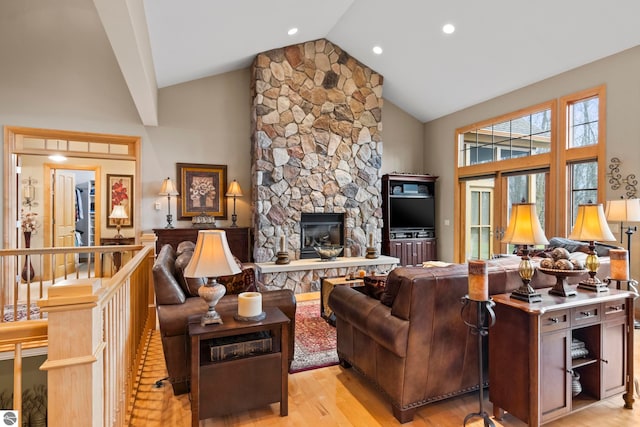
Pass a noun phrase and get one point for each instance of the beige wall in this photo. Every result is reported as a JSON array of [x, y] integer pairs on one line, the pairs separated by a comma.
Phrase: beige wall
[[59, 72], [621, 75]]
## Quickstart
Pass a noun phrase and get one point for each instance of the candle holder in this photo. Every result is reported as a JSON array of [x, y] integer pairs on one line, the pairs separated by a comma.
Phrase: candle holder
[[485, 319], [372, 252], [282, 255]]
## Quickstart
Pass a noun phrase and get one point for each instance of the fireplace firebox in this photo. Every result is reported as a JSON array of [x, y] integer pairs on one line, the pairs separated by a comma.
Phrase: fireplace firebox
[[320, 229]]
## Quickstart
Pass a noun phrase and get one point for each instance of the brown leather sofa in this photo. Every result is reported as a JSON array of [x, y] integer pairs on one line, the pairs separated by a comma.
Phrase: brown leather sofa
[[412, 342], [177, 299]]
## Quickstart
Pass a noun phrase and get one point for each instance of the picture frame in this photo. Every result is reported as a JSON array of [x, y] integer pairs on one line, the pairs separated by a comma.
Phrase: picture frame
[[202, 188], [120, 192]]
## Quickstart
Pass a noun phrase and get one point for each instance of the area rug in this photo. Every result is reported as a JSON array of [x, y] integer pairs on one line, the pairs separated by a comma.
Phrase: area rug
[[22, 312], [315, 341]]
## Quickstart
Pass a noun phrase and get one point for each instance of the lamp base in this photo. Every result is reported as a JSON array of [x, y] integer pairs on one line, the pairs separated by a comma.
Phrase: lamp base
[[169, 221], [211, 292], [593, 284], [526, 293], [234, 218]]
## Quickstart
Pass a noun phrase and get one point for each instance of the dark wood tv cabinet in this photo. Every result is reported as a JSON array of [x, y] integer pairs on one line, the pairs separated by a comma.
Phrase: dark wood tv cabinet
[[531, 367], [412, 243], [239, 239]]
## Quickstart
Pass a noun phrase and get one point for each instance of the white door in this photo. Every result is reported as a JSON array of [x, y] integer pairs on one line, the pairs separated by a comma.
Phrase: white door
[[64, 220]]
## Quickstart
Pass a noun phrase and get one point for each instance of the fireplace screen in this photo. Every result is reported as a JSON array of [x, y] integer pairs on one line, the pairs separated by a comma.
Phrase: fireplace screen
[[320, 229]]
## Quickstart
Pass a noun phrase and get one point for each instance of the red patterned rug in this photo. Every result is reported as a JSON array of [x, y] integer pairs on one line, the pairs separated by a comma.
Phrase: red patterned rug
[[315, 339]]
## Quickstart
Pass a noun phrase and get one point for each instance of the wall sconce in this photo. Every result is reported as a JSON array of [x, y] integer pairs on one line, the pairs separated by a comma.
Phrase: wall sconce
[[616, 180], [168, 189], [29, 193]]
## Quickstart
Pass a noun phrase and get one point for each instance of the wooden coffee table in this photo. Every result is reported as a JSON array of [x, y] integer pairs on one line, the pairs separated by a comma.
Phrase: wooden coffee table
[[327, 286], [238, 384]]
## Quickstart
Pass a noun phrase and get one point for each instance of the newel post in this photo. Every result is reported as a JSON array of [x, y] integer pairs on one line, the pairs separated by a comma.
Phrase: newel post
[[76, 353]]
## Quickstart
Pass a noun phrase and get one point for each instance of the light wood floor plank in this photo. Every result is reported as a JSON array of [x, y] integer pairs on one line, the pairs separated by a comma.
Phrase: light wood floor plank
[[335, 396]]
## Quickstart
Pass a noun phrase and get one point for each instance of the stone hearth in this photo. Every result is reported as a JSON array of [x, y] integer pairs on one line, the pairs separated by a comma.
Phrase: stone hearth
[[316, 144]]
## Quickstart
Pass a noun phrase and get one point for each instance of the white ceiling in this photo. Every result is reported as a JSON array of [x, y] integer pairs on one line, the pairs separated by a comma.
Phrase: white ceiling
[[498, 46]]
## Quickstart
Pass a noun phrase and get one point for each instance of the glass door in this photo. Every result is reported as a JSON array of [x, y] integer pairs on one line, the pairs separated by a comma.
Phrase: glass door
[[479, 212]]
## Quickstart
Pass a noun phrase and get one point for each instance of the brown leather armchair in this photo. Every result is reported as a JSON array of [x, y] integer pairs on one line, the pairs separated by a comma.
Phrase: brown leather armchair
[[176, 301]]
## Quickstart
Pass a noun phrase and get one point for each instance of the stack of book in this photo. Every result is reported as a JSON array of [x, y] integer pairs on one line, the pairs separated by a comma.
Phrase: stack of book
[[238, 346]]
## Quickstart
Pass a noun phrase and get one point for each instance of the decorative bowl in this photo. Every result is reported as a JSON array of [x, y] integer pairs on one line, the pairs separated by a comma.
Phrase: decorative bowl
[[329, 252]]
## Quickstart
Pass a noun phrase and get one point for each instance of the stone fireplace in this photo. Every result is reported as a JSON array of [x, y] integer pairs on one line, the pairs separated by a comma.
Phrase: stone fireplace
[[316, 120]]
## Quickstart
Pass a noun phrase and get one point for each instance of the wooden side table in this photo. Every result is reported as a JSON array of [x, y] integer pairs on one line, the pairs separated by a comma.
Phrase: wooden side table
[[117, 256], [223, 387]]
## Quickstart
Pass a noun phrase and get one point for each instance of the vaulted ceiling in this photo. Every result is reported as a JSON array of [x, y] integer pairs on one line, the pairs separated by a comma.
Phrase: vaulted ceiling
[[498, 45]]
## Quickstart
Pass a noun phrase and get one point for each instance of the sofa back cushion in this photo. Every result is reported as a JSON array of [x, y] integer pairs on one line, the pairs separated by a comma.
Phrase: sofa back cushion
[[168, 290]]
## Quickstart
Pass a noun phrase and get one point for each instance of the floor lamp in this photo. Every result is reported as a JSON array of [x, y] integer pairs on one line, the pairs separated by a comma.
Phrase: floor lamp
[[625, 210]]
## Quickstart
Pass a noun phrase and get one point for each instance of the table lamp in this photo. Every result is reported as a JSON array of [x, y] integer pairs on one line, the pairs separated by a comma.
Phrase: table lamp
[[624, 210], [234, 191], [118, 214], [211, 259], [168, 189], [524, 229], [591, 225]]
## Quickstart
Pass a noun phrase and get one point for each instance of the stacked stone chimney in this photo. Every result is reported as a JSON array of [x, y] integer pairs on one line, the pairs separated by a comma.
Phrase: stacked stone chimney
[[316, 144]]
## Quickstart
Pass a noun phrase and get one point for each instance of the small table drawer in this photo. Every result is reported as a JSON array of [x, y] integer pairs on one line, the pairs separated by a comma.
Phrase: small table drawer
[[554, 320], [585, 315], [614, 309]]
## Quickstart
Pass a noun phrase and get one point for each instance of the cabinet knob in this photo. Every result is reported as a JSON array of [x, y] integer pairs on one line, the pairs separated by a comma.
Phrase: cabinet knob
[[615, 307], [605, 361], [586, 313], [554, 320]]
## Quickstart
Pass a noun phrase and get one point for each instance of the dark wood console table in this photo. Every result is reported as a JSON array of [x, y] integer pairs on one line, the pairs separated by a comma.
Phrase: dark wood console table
[[238, 238], [228, 386], [531, 367]]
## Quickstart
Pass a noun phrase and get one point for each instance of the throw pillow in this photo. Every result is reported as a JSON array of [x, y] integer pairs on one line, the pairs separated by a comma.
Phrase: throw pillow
[[184, 247], [374, 286], [180, 264], [245, 281]]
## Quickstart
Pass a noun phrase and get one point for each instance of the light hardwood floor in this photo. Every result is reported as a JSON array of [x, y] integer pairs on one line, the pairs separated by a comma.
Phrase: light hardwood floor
[[338, 397]]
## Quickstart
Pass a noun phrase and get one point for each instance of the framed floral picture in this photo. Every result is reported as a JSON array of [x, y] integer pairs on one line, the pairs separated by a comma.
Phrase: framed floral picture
[[120, 192], [201, 190]]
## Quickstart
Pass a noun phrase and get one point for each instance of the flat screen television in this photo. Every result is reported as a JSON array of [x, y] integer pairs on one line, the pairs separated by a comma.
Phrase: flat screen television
[[411, 212]]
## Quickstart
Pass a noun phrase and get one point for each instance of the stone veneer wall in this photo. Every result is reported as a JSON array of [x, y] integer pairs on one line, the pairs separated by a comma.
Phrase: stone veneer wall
[[316, 144]]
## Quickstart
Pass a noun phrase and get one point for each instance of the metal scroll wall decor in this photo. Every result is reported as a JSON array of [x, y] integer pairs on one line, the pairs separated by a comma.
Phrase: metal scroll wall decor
[[616, 180]]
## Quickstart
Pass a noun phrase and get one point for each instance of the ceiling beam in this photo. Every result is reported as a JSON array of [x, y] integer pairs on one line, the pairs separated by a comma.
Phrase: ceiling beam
[[126, 27]]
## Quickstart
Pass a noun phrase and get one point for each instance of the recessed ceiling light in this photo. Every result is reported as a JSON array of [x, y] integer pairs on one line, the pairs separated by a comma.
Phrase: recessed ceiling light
[[448, 28], [57, 158], [292, 31], [377, 50]]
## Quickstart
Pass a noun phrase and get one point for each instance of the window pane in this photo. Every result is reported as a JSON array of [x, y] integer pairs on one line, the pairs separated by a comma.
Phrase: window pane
[[584, 123], [484, 247], [486, 208], [475, 242], [585, 176], [475, 214]]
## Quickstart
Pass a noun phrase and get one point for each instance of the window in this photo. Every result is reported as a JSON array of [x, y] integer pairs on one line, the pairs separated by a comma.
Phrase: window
[[552, 154], [521, 136], [584, 186]]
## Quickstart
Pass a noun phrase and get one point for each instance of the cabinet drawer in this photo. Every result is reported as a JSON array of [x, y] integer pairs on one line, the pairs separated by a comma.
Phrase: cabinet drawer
[[614, 309], [585, 315], [554, 320]]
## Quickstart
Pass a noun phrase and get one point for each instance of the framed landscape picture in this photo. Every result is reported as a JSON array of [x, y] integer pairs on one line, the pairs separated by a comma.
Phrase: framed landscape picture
[[201, 190], [120, 192]]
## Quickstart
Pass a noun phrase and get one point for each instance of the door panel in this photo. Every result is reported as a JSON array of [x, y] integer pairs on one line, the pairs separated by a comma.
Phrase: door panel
[[64, 221]]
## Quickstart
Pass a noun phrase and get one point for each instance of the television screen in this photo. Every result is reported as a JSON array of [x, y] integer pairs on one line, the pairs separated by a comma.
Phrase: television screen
[[412, 212]]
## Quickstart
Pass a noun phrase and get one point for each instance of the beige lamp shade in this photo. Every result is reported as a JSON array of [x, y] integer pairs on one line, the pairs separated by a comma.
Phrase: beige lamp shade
[[524, 227], [234, 189], [118, 212], [591, 224], [168, 188], [211, 256], [623, 210]]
